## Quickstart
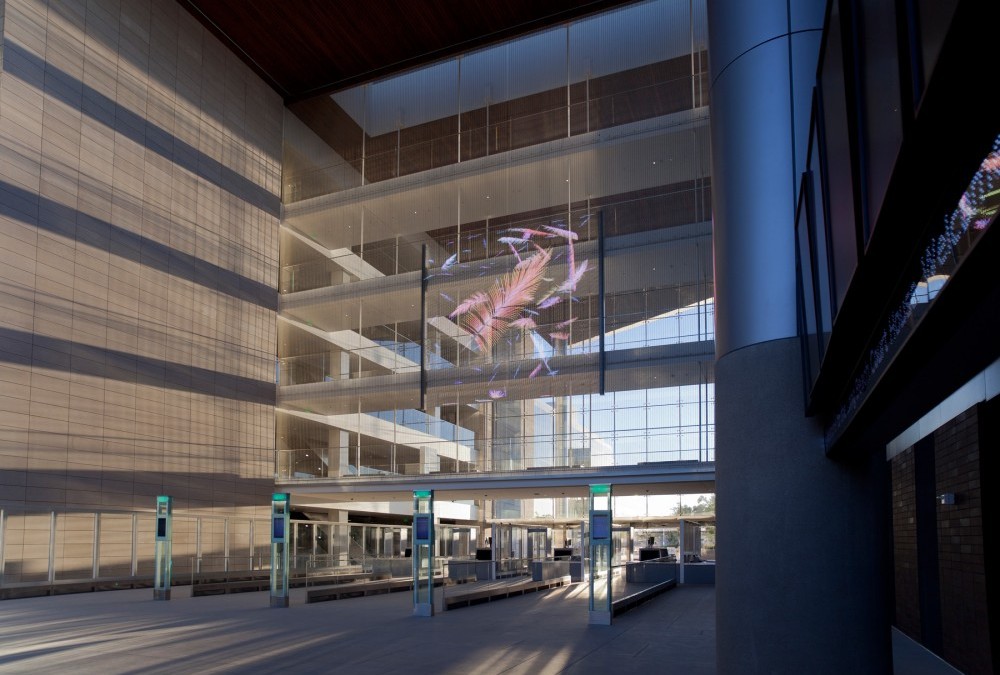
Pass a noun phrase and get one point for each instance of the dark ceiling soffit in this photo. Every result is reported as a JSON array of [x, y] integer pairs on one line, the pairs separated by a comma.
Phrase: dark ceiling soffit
[[379, 71], [905, 224], [955, 339], [213, 28], [474, 42]]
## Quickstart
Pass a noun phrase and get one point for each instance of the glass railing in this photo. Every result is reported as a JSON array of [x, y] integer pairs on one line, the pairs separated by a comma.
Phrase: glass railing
[[633, 105], [411, 157], [386, 358], [407, 351], [514, 131], [308, 369], [427, 424], [488, 252], [314, 274], [332, 177], [545, 341], [554, 453], [624, 331], [632, 331], [506, 130], [389, 257], [377, 259]]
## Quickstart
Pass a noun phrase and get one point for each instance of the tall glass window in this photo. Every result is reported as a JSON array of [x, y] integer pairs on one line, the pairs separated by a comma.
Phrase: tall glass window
[[445, 304]]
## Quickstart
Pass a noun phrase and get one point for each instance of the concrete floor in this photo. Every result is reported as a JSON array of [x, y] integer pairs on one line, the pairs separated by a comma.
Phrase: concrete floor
[[546, 632], [128, 632]]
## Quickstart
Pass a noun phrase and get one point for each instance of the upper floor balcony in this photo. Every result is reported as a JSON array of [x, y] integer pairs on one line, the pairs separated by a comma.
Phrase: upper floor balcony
[[347, 140]]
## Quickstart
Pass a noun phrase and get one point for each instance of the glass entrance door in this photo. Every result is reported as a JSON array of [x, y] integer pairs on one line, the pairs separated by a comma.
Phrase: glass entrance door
[[538, 543]]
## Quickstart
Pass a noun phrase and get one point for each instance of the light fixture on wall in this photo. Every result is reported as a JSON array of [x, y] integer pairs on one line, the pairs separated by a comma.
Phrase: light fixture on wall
[[947, 498]]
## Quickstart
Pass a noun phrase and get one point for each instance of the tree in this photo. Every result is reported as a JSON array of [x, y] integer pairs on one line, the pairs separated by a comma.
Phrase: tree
[[703, 505]]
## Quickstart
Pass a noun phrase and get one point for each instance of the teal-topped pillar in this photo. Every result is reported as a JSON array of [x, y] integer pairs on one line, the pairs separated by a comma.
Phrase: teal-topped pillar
[[280, 503], [163, 564], [600, 555], [423, 553]]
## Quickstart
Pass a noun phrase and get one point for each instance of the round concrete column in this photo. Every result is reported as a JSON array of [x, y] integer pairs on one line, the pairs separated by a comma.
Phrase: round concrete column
[[763, 66], [799, 575]]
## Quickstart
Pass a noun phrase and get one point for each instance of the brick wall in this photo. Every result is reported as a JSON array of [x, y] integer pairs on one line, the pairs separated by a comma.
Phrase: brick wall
[[904, 543], [939, 552], [964, 616]]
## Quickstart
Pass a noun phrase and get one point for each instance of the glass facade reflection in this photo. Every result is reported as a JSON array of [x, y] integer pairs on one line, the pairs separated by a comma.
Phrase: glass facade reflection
[[472, 251]]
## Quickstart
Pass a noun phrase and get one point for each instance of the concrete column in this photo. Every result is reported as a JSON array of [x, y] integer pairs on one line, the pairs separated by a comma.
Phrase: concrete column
[[680, 558], [799, 572], [339, 535], [430, 462], [344, 363], [800, 577], [338, 451]]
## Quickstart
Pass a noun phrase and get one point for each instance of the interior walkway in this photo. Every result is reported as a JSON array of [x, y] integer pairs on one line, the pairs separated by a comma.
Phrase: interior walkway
[[127, 632], [547, 632]]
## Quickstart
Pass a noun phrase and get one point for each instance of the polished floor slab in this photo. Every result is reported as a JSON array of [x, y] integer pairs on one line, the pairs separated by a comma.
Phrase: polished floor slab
[[547, 632]]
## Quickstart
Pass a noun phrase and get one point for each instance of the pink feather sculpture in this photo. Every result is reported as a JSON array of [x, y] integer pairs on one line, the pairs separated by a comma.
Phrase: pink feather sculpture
[[488, 315]]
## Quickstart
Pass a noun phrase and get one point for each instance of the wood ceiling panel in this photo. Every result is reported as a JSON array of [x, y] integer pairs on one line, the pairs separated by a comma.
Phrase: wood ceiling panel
[[308, 47]]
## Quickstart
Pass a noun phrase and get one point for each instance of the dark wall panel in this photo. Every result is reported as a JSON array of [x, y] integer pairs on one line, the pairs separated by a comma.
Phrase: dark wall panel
[[839, 188], [904, 543], [881, 107]]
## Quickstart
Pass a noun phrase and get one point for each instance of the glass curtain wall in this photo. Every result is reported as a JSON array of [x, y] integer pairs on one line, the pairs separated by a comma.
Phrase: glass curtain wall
[[471, 251]]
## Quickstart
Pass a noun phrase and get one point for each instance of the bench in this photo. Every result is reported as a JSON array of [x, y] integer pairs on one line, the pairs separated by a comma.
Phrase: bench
[[360, 589], [633, 600], [221, 583], [334, 578], [36, 588], [493, 591]]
